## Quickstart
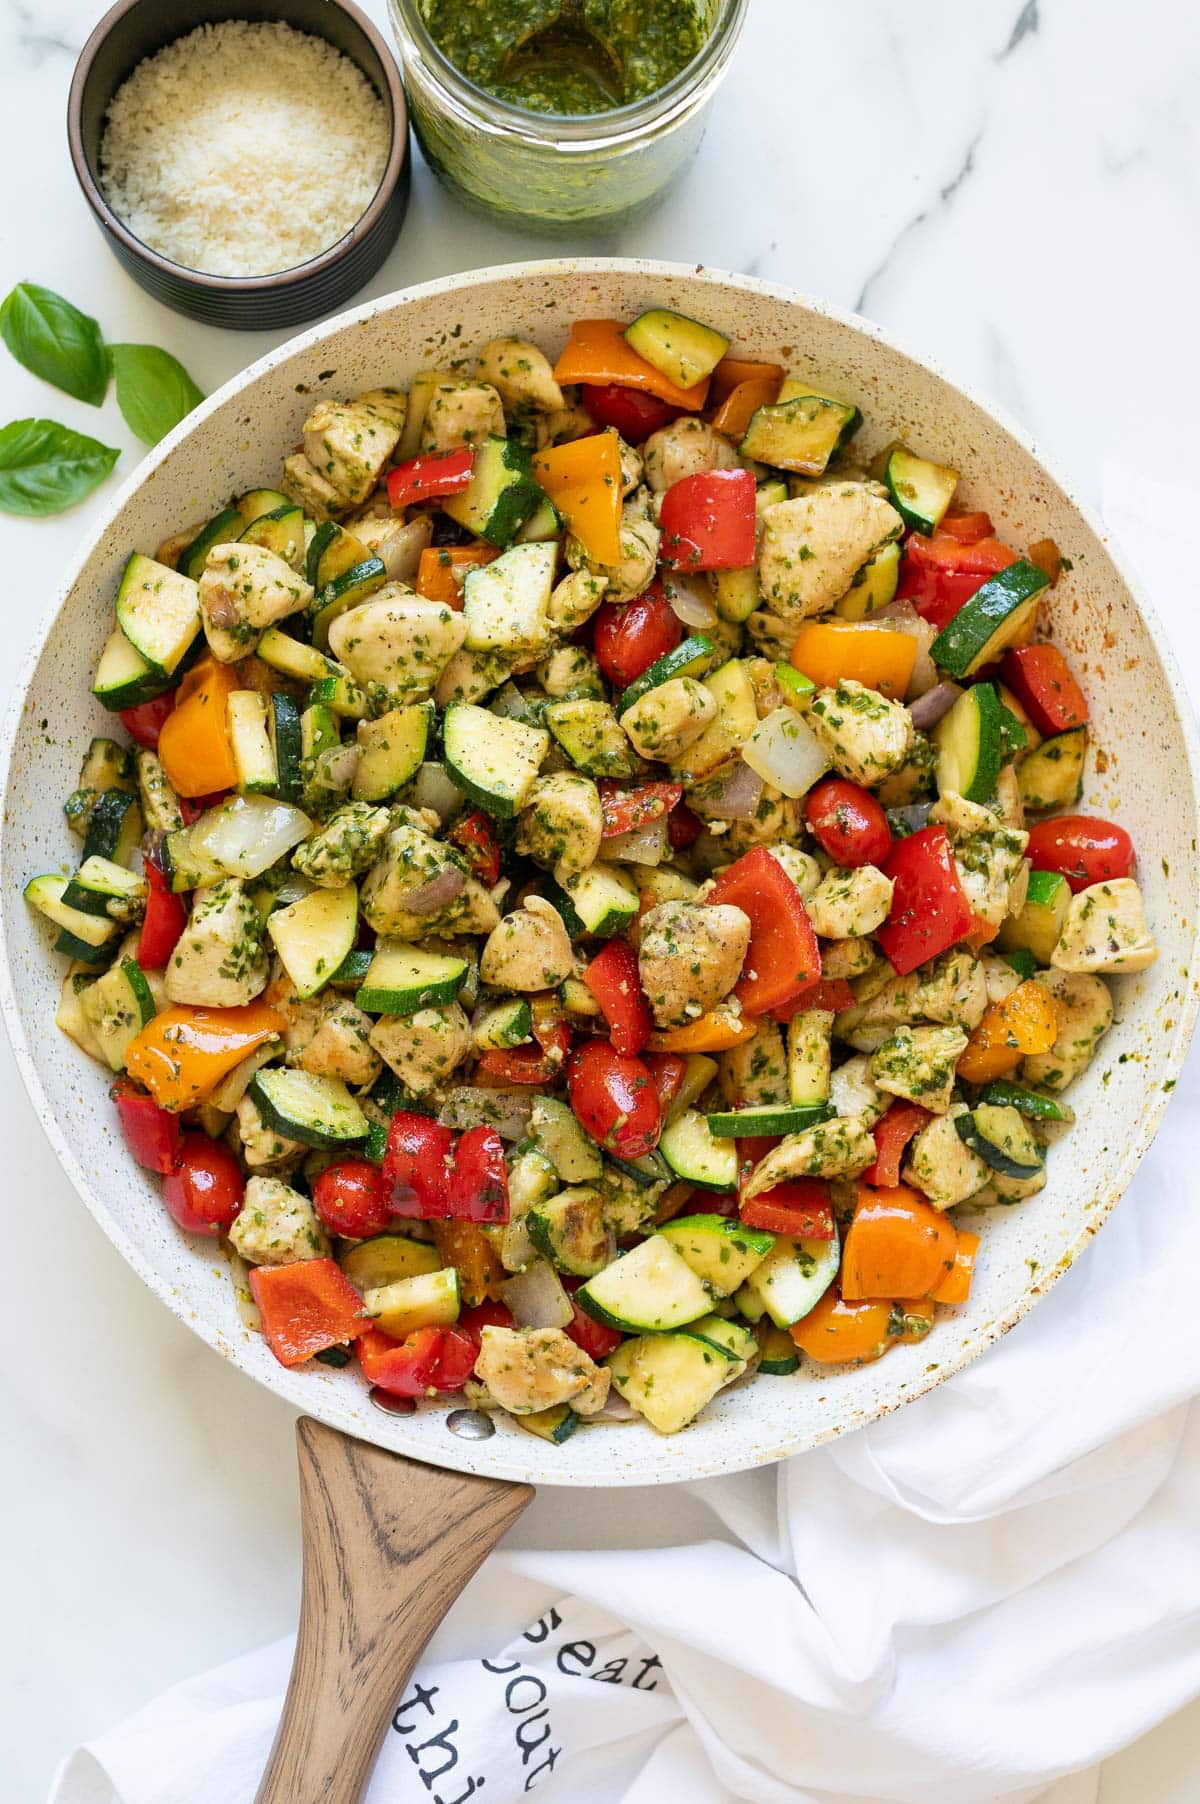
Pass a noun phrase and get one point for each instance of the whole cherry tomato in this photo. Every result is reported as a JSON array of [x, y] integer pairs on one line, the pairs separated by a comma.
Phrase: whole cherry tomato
[[351, 1198], [628, 411], [628, 639], [205, 1191], [615, 1100], [1083, 849], [848, 822]]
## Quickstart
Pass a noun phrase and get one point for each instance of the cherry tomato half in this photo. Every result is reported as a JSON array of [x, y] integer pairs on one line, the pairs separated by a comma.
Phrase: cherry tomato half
[[351, 1198], [628, 639], [1083, 849], [629, 411], [848, 822], [615, 1100], [205, 1192]]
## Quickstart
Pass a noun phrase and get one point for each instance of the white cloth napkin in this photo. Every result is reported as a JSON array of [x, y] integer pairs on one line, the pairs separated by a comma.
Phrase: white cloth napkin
[[974, 1600]]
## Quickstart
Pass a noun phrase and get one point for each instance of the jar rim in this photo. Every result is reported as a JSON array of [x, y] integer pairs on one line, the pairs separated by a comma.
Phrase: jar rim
[[572, 133]]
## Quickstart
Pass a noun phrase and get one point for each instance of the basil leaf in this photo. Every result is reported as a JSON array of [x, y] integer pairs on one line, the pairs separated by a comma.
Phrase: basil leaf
[[45, 467], [55, 341], [154, 391]]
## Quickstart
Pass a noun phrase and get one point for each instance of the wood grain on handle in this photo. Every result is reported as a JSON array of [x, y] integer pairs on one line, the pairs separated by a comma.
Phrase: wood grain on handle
[[388, 1546]]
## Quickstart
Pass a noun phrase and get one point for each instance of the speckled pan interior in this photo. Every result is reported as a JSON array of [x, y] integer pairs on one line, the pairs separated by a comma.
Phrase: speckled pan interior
[[1143, 767]]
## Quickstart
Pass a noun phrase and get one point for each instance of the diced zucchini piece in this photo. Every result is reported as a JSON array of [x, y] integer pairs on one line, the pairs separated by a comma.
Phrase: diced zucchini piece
[[118, 1006], [502, 494], [570, 1230], [100, 887], [1030, 1103], [681, 349], [504, 1025], [223, 529], [997, 1134], [1051, 776], [281, 531], [317, 1111], [970, 744], [293, 658], [257, 502], [767, 1119], [344, 592], [919, 491], [669, 1378], [779, 1352], [543, 524], [809, 1034], [560, 1139], [794, 1277], [403, 979], [650, 1288], [341, 695], [385, 1259], [589, 734], [1038, 926], [123, 677], [725, 735], [990, 620], [556, 1424], [874, 586], [250, 741], [331, 552], [506, 603], [158, 610], [493, 759], [71, 1019], [735, 593], [46, 895], [691, 657], [801, 431], [425, 1300], [115, 827], [728, 1336], [721, 1252], [694, 1152], [391, 751], [600, 901], [287, 743], [315, 935]]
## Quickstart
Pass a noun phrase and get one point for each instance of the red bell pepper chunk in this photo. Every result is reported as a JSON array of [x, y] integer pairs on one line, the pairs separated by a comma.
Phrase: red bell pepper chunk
[[163, 922], [144, 722], [783, 959], [625, 810], [428, 1361], [752, 1152], [800, 1208], [683, 827], [471, 1322], [427, 478], [940, 573], [1040, 678], [892, 1133], [612, 977], [305, 1308], [968, 529], [593, 1338], [831, 993], [153, 1135], [538, 1064], [668, 1070], [416, 1165], [192, 807], [708, 521], [475, 837], [713, 1202], [478, 1187], [929, 911], [629, 411]]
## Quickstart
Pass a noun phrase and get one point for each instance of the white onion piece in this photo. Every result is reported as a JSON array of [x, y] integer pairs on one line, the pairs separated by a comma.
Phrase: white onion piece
[[616, 1409], [516, 1248], [430, 898], [690, 601], [537, 1298], [644, 845], [732, 797], [507, 1111], [248, 834], [401, 553], [929, 708], [786, 753], [435, 789], [914, 815]]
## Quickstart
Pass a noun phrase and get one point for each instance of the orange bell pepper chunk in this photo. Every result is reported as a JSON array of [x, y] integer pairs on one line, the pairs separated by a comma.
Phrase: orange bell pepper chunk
[[465, 1246], [898, 1245], [305, 1308], [583, 479], [194, 745], [443, 569], [597, 353], [874, 656], [836, 1332], [182, 1055], [715, 1032], [734, 414], [733, 372], [955, 1287], [1024, 1023]]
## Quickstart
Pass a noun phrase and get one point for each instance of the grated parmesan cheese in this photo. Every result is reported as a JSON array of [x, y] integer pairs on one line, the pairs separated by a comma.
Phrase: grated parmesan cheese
[[242, 149]]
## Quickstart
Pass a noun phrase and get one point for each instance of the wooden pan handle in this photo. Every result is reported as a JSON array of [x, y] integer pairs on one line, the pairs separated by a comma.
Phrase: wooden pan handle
[[388, 1546]]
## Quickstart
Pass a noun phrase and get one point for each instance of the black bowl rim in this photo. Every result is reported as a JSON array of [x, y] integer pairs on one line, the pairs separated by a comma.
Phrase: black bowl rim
[[277, 281]]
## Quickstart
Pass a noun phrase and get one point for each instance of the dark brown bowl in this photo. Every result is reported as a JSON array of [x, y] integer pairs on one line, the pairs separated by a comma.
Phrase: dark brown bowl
[[134, 29]]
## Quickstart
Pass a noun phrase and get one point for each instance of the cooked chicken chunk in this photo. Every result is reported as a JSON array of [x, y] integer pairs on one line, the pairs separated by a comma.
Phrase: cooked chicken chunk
[[849, 904], [801, 867], [665, 721], [918, 1063], [1085, 1011], [520, 374], [814, 546], [349, 842], [529, 949], [410, 862], [277, 1226], [942, 1165], [219, 960], [853, 1091], [829, 1149], [327, 1034], [688, 447], [263, 1146], [462, 413], [756, 1072], [347, 443], [423, 1049], [575, 599], [989, 865], [691, 956], [1105, 930], [243, 590], [633, 572], [397, 641], [527, 1369], [572, 673], [864, 735], [562, 824]]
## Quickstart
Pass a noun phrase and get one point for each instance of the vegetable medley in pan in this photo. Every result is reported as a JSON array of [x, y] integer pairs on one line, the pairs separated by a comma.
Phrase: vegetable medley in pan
[[593, 889]]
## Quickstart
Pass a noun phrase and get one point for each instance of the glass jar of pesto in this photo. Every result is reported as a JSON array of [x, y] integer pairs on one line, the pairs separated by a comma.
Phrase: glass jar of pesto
[[562, 114]]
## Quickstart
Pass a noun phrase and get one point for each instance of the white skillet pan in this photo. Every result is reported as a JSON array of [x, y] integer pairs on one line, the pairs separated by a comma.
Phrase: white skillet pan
[[1145, 773]]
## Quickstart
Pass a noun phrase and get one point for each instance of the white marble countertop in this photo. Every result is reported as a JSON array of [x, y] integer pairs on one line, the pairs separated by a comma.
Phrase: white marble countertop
[[1012, 189]]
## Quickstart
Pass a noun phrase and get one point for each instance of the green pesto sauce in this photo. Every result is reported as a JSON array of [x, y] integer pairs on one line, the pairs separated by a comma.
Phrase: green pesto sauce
[[567, 56]]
